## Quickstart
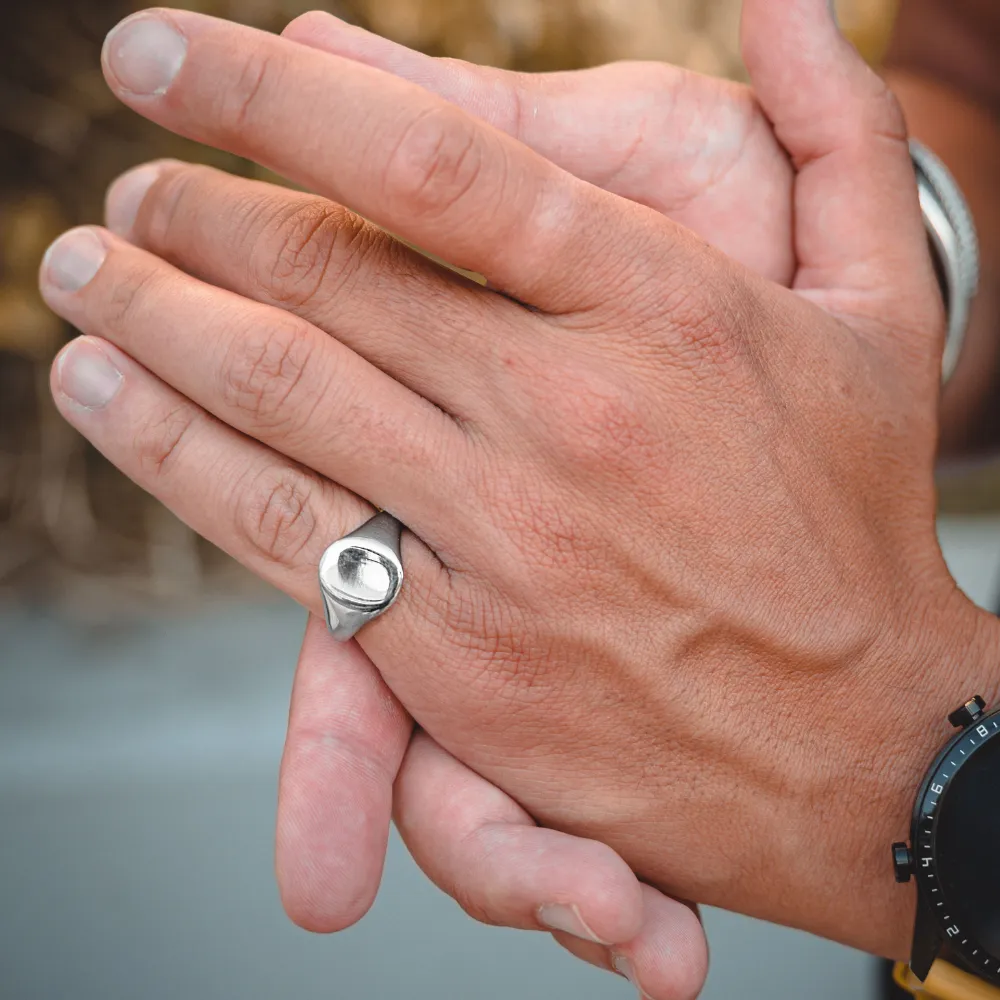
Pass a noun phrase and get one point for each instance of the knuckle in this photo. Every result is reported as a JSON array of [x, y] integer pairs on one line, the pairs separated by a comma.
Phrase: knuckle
[[126, 301], [308, 252], [238, 102], [693, 310], [560, 544], [874, 116], [276, 514], [700, 325], [471, 900], [683, 311], [158, 439], [497, 644], [264, 369], [595, 419], [887, 116], [497, 641], [435, 162], [700, 335], [166, 203]]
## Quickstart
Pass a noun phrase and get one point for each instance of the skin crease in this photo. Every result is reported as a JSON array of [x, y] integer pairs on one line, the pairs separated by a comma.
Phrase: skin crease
[[772, 450]]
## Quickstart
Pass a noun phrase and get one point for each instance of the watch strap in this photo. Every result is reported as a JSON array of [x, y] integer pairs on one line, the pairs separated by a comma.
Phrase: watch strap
[[945, 982]]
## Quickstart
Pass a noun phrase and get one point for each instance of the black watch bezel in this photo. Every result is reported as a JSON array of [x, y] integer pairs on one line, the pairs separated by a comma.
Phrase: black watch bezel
[[935, 903]]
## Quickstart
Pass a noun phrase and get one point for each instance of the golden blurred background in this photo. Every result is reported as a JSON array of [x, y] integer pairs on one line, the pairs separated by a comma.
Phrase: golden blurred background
[[72, 530]]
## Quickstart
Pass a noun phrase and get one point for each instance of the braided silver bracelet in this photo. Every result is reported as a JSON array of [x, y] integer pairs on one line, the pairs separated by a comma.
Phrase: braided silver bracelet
[[954, 246]]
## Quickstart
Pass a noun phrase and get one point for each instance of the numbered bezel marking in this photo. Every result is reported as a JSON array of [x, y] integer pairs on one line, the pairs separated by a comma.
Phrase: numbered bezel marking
[[924, 831]]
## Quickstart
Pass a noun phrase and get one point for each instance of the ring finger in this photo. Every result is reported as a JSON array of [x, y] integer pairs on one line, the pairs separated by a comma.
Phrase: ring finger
[[272, 515]]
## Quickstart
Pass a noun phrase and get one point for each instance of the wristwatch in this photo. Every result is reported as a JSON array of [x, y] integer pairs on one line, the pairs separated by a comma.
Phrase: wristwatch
[[954, 856]]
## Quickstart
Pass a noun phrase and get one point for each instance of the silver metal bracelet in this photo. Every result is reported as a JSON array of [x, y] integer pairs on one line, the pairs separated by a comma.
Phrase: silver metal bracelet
[[954, 245]]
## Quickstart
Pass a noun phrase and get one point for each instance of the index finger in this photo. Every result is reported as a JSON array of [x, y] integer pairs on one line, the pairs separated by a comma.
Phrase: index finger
[[396, 154]]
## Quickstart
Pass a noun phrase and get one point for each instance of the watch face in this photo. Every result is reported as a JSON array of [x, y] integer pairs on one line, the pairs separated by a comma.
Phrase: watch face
[[958, 845]]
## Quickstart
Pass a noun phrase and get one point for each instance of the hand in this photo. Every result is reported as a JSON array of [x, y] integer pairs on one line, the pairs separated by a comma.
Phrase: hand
[[699, 150], [755, 512], [345, 740]]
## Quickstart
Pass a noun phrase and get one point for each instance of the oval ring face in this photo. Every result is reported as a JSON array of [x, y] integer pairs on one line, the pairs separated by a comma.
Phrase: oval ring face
[[365, 576], [361, 574], [956, 845]]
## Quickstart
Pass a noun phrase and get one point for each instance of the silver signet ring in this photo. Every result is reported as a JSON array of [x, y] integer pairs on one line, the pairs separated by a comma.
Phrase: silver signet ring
[[360, 575]]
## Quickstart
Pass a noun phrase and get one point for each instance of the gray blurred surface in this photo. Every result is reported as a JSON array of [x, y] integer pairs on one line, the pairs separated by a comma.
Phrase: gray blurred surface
[[137, 785]]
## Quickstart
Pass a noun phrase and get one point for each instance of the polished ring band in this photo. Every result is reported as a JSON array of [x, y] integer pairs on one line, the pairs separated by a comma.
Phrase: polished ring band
[[360, 575]]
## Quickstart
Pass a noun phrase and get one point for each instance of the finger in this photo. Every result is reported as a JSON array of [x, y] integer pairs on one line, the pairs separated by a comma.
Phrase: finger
[[859, 234], [515, 103], [262, 371], [597, 955], [272, 515], [687, 145], [484, 850], [668, 959], [382, 146], [347, 734], [412, 319]]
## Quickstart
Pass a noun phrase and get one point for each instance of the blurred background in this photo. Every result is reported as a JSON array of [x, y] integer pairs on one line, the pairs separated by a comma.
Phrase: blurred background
[[144, 678]]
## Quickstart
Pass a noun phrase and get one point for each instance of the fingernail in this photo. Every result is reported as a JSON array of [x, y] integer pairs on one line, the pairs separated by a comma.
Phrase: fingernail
[[73, 260], [126, 195], [559, 917], [145, 54], [623, 967], [87, 376]]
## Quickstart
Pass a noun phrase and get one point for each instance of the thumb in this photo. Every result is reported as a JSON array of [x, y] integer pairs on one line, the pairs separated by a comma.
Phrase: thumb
[[859, 235], [576, 120], [688, 146]]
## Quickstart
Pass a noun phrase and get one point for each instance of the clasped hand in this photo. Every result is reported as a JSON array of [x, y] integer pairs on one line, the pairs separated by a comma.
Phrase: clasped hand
[[667, 481]]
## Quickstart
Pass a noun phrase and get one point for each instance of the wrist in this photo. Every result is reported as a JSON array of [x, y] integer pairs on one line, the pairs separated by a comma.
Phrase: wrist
[[813, 819], [952, 656]]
